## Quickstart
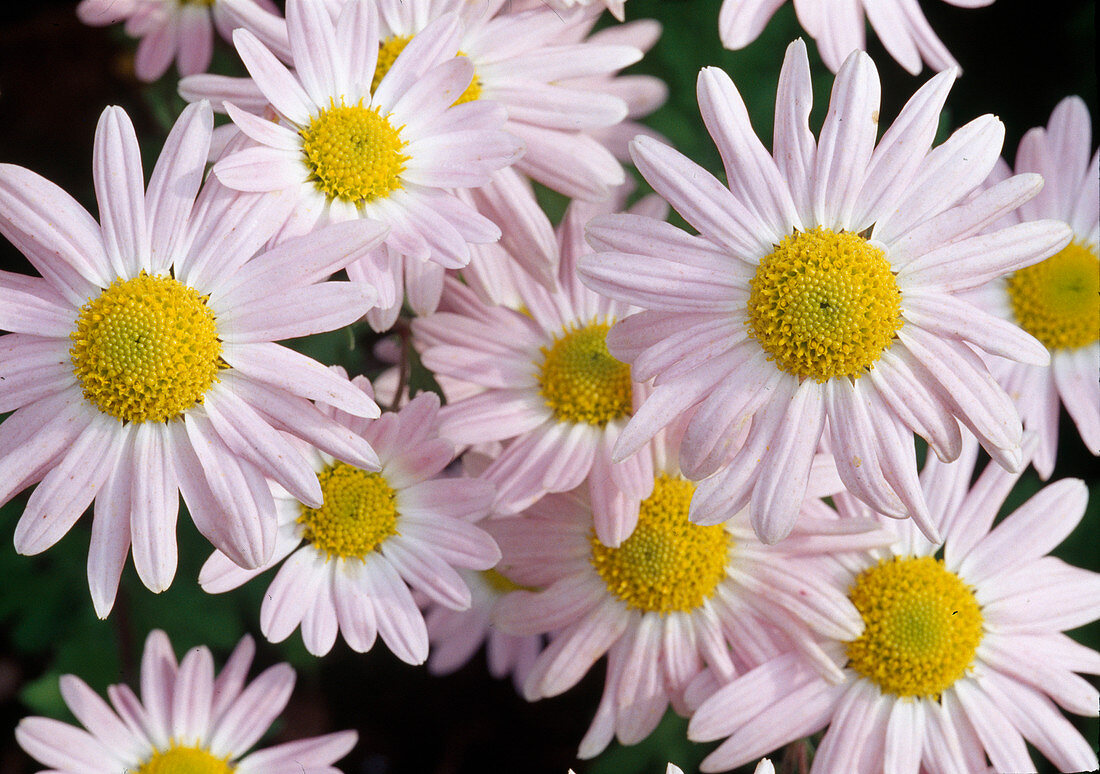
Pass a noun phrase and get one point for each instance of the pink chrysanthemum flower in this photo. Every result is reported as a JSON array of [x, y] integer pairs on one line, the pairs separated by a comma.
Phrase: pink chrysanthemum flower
[[838, 28], [821, 297], [352, 560], [536, 63], [142, 365], [187, 720], [1058, 300], [672, 599], [545, 382], [182, 30], [961, 657], [425, 130]]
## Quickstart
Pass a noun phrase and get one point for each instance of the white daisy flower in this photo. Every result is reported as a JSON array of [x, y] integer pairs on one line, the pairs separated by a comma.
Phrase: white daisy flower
[[672, 599], [350, 142], [187, 720], [141, 366], [962, 655], [838, 28], [353, 558], [821, 297], [1058, 300]]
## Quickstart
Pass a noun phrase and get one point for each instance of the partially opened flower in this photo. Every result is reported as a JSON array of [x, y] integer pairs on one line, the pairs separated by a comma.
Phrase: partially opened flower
[[349, 142], [672, 599], [822, 296], [839, 28], [186, 721], [1058, 300], [962, 655], [141, 365], [351, 560]]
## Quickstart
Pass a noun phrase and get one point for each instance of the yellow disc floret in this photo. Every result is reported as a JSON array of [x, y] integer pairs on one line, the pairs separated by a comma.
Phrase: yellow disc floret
[[824, 304], [185, 760], [1058, 300], [392, 48], [581, 382], [146, 349], [922, 626], [354, 152], [667, 564], [359, 512]]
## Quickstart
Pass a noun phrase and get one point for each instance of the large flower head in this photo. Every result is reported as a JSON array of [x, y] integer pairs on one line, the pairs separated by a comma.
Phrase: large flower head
[[672, 599], [142, 364], [839, 28], [962, 654], [187, 720], [357, 136], [821, 296], [1057, 300], [351, 560]]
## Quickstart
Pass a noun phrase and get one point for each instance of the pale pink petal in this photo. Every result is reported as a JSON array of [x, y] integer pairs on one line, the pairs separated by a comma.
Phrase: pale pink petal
[[250, 715], [276, 82], [1075, 375], [299, 581], [64, 747], [174, 184], [110, 540], [96, 716], [399, 622], [68, 489], [314, 752], [154, 504], [1002, 742], [301, 311]]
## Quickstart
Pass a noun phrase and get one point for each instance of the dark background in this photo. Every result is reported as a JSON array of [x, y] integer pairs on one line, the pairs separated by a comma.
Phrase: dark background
[[56, 76]]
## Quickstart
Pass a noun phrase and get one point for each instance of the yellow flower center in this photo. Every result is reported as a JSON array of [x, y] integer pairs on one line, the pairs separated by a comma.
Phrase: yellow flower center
[[581, 382], [1058, 300], [185, 760], [824, 304], [923, 626], [354, 152], [146, 349], [358, 513], [392, 48], [667, 563]]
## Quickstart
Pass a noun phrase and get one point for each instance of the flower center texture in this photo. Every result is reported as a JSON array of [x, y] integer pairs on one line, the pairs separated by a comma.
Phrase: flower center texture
[[185, 760], [1058, 300], [581, 382], [392, 48], [667, 564], [922, 626], [359, 512], [354, 152], [146, 349], [824, 304]]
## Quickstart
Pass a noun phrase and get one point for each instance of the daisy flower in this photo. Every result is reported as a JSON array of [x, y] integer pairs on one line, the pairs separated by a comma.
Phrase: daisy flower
[[142, 363], [672, 599], [821, 297], [187, 720], [543, 380], [962, 654], [536, 63], [182, 30], [1058, 300], [333, 105], [353, 558], [838, 28]]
